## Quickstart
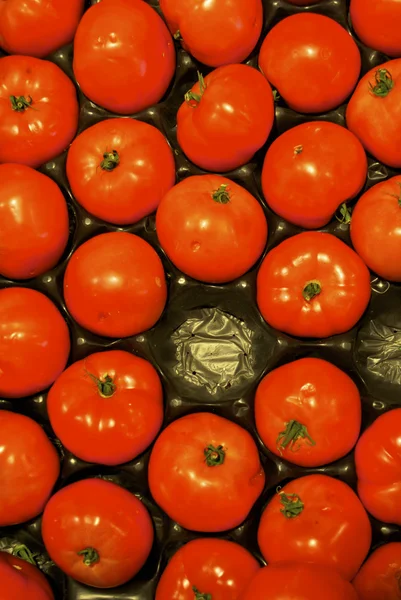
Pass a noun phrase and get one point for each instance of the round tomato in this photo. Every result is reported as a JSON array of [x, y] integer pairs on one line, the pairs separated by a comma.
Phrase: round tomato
[[107, 408], [312, 61], [38, 27], [38, 110], [226, 118], [97, 532], [215, 32], [22, 581], [124, 56], [310, 170], [316, 519], [29, 467], [365, 17], [376, 228], [207, 568], [211, 228], [205, 472], [120, 169], [34, 223], [115, 285], [313, 285], [380, 576], [34, 342], [378, 467], [302, 417]]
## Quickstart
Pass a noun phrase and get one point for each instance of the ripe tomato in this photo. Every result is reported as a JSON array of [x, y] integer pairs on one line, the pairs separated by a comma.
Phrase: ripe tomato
[[211, 228], [378, 467], [302, 417], [120, 169], [29, 467], [124, 56], [310, 170], [20, 580], [38, 27], [38, 110], [107, 408], [34, 342], [313, 285], [376, 228], [205, 472], [215, 32], [226, 118], [379, 577], [97, 532], [207, 568], [365, 16], [114, 285], [312, 61]]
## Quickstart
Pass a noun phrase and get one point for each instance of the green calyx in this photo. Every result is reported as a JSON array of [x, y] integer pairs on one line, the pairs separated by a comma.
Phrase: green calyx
[[383, 83], [311, 289], [177, 36], [345, 214], [105, 385], [214, 455], [221, 195], [199, 595], [193, 99], [20, 103], [110, 161], [90, 556], [398, 196], [292, 505], [293, 432], [23, 552]]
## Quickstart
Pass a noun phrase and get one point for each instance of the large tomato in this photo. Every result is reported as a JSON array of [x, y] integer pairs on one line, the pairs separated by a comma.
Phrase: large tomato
[[211, 228], [29, 467], [124, 56], [317, 519], [34, 342], [226, 118], [38, 110], [107, 408], [366, 15], [22, 581], [302, 417], [207, 568], [97, 532], [115, 285], [310, 170], [205, 472], [380, 576], [120, 169], [217, 32], [312, 61], [313, 285]]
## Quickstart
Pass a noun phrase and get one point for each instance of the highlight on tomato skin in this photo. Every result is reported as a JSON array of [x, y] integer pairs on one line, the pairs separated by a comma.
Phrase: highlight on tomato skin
[[380, 575], [22, 578]]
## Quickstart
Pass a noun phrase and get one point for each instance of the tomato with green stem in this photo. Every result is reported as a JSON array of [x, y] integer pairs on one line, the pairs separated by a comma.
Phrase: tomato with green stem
[[380, 576], [20, 579]]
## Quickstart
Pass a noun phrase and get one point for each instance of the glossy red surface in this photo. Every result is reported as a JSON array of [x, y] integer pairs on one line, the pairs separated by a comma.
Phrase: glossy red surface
[[22, 580], [380, 576], [378, 24]]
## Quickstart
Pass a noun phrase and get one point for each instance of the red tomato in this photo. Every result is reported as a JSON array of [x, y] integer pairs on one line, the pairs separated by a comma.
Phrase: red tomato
[[303, 418], [38, 27], [316, 519], [34, 223], [107, 408], [378, 467], [38, 110], [34, 342], [120, 169], [211, 228], [29, 467], [97, 532], [310, 170], [21, 580], [207, 568], [376, 228], [124, 56], [205, 472], [115, 285], [365, 17], [217, 32], [380, 576], [312, 61], [313, 285], [226, 118]]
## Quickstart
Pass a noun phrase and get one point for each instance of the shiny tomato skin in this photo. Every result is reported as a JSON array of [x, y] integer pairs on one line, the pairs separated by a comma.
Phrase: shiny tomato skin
[[42, 130], [365, 17], [100, 515], [38, 27], [29, 467], [192, 493], [312, 61], [216, 567], [310, 258], [132, 189], [34, 342], [105, 424], [115, 65], [333, 528], [22, 581], [379, 577], [213, 240], [122, 280], [231, 121], [217, 32], [310, 170]]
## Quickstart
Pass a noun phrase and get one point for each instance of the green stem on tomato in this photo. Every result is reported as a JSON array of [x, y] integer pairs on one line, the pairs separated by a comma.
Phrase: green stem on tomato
[[298, 149], [292, 505], [383, 83], [345, 214], [106, 386], [20, 103], [177, 36], [214, 455], [311, 289], [221, 195], [193, 99], [399, 194], [199, 595], [294, 431], [90, 556], [110, 161], [23, 552]]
